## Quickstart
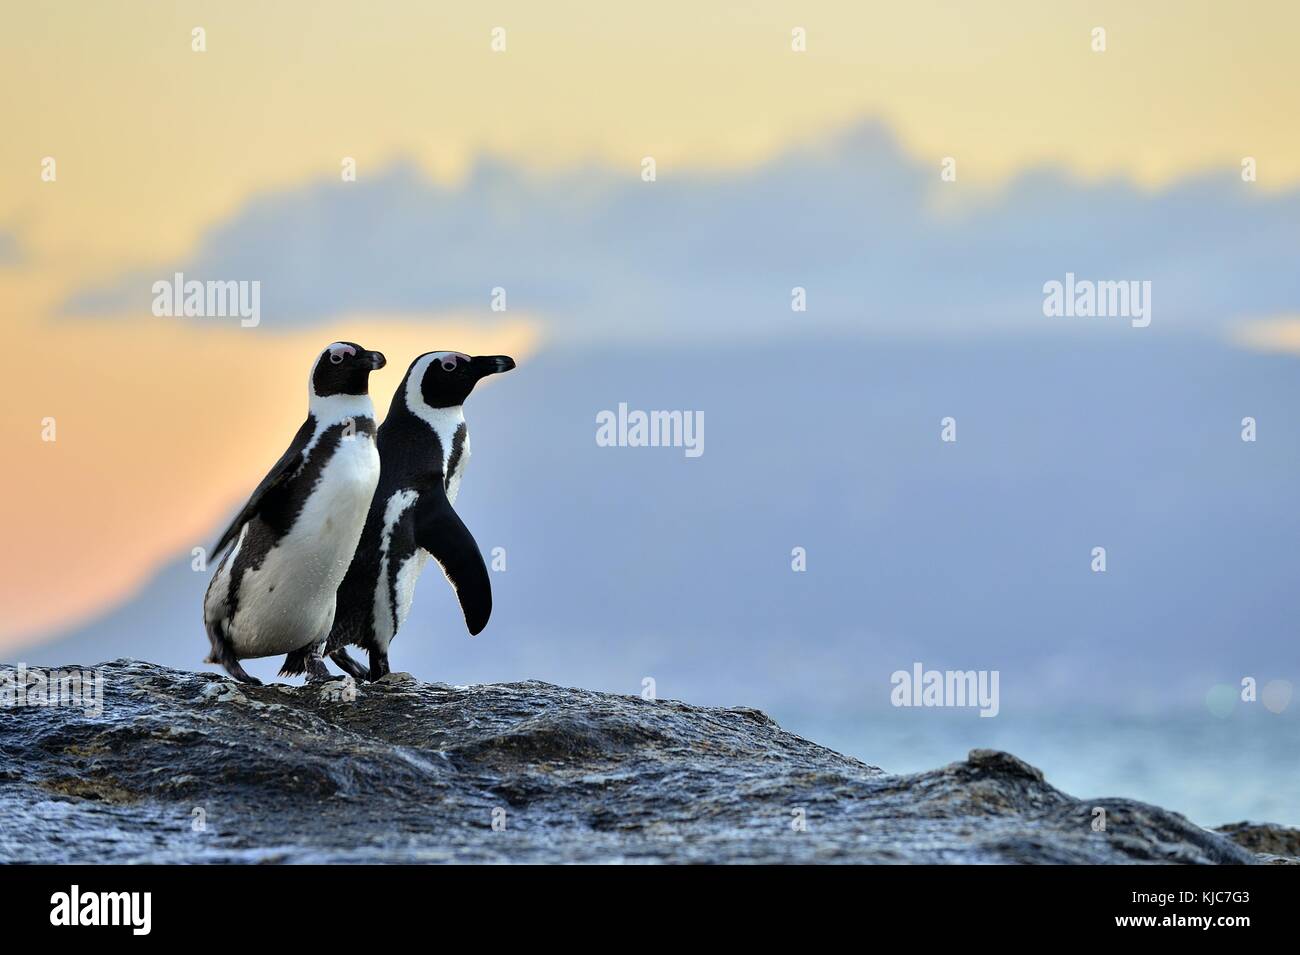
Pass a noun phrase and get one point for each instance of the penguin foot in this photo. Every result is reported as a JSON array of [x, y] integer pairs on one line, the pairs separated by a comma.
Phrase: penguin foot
[[358, 671], [378, 664], [317, 671], [223, 654], [237, 672], [309, 661]]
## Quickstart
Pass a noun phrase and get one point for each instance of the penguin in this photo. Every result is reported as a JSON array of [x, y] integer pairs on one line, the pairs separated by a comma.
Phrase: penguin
[[290, 545], [423, 449]]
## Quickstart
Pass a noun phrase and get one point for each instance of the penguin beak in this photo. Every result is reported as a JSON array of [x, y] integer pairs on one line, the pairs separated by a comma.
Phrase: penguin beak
[[485, 365], [377, 360]]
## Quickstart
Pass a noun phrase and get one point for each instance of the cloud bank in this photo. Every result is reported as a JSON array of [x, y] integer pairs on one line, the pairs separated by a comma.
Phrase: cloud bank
[[880, 243]]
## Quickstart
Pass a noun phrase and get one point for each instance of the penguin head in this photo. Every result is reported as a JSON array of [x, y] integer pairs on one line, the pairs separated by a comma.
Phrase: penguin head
[[344, 369], [447, 377]]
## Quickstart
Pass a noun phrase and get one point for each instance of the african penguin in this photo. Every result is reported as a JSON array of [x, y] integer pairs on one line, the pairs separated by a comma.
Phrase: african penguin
[[423, 448], [274, 592]]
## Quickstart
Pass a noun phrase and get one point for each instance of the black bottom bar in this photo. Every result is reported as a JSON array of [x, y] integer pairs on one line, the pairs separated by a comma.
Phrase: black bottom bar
[[311, 903]]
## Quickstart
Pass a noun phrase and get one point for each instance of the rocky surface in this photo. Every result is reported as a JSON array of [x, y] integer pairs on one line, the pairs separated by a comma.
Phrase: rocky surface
[[1277, 845], [190, 767]]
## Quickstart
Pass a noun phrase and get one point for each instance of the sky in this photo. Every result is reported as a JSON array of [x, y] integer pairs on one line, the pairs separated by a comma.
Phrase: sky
[[166, 157]]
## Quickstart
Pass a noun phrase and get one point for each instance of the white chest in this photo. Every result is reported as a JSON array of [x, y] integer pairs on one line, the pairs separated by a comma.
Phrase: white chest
[[288, 601], [407, 577], [347, 482], [456, 471], [445, 423]]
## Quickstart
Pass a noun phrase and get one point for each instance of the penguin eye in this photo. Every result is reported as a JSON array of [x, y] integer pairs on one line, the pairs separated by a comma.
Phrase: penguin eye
[[338, 351], [449, 364]]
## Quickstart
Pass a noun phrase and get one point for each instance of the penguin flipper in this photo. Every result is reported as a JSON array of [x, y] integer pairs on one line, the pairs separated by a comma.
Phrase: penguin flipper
[[283, 469], [441, 532]]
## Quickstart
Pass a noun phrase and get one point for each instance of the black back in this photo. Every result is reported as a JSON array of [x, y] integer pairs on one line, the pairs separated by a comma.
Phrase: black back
[[411, 459]]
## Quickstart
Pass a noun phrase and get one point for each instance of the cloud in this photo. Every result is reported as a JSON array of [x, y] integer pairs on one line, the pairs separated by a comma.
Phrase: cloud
[[877, 239]]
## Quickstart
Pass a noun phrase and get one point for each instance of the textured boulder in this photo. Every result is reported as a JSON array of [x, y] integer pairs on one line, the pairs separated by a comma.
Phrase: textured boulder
[[1277, 845], [189, 767]]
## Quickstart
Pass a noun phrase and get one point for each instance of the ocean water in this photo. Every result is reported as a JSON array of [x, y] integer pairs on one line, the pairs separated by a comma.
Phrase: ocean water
[[1214, 770]]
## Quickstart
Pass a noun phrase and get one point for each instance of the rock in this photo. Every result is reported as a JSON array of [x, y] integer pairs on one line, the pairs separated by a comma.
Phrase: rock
[[223, 693], [1274, 844], [188, 767], [344, 690]]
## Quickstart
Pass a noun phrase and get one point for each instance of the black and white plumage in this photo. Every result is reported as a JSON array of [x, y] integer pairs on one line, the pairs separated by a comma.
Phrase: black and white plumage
[[423, 449], [289, 547]]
